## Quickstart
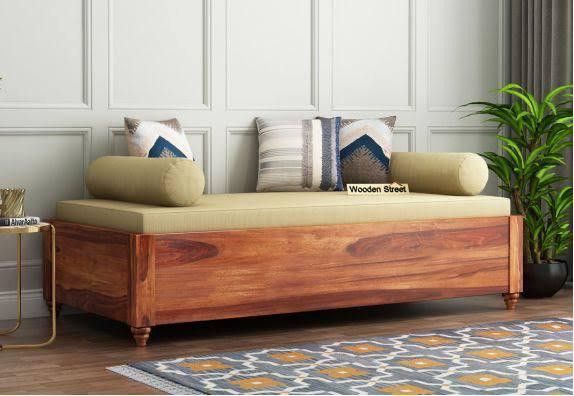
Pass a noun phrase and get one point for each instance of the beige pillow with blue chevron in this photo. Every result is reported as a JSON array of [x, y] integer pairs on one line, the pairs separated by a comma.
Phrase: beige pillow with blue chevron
[[299, 155], [157, 139], [366, 146]]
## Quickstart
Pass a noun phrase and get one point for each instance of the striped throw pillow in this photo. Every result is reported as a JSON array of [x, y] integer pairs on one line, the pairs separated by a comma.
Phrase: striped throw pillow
[[366, 147], [299, 155]]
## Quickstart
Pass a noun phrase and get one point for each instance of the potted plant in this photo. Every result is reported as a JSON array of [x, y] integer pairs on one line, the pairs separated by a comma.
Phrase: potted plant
[[534, 136]]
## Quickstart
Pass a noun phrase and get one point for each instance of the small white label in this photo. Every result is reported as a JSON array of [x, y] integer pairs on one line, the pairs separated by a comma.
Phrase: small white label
[[377, 189]]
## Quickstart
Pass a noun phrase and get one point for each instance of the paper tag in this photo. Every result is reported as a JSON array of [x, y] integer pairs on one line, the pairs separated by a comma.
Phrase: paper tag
[[377, 189]]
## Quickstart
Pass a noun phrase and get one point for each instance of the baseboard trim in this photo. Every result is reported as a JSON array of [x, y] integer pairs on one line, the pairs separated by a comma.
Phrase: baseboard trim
[[12, 264], [33, 305]]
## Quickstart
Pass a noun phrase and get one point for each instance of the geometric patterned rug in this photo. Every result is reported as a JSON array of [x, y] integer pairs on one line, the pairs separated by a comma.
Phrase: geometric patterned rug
[[520, 357]]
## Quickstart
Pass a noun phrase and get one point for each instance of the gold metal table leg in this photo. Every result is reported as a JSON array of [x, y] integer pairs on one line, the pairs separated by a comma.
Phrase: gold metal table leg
[[53, 308], [19, 289]]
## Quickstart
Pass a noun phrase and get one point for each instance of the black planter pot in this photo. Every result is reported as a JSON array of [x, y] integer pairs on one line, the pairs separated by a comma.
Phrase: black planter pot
[[544, 280]]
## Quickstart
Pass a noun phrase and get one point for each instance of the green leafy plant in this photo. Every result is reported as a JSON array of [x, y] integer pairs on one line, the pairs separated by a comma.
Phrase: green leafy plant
[[538, 134]]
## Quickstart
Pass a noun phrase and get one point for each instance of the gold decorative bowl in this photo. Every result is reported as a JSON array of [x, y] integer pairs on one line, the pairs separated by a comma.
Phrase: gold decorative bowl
[[12, 202]]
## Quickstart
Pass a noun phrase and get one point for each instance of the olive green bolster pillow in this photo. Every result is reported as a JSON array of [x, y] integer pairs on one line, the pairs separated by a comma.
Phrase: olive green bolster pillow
[[153, 181], [440, 173]]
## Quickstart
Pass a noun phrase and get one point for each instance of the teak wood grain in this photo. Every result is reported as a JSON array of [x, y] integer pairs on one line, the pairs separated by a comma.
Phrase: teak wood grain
[[92, 269], [267, 271], [516, 252], [150, 279], [142, 281]]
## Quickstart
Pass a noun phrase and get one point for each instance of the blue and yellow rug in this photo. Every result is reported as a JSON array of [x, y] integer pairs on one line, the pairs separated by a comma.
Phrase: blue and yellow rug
[[526, 357]]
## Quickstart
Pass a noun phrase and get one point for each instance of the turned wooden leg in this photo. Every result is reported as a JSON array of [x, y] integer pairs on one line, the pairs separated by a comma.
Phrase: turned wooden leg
[[510, 299], [141, 335], [58, 307]]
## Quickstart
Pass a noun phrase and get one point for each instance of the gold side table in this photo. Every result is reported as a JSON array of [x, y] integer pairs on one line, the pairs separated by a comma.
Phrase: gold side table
[[19, 231]]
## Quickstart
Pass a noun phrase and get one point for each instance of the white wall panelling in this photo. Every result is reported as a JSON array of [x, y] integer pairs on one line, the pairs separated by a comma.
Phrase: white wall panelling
[[50, 164], [32, 304], [271, 54], [74, 68], [46, 54], [31, 268], [375, 40], [159, 54], [242, 159], [472, 32], [404, 138], [198, 138]]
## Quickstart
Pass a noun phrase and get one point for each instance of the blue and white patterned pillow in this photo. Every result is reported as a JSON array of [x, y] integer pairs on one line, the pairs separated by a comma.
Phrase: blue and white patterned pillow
[[299, 155], [366, 147], [156, 139]]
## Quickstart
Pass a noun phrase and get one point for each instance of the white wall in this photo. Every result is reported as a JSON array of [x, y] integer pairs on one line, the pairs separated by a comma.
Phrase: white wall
[[73, 69]]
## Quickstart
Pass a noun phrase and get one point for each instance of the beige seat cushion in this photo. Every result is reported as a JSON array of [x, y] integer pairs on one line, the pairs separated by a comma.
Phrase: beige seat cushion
[[282, 209]]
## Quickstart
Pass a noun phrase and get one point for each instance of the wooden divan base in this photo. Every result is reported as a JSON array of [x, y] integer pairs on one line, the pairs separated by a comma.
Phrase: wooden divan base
[[146, 280]]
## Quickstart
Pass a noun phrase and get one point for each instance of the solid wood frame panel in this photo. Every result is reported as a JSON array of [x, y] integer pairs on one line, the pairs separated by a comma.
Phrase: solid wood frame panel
[[92, 269], [516, 251], [279, 270], [150, 279]]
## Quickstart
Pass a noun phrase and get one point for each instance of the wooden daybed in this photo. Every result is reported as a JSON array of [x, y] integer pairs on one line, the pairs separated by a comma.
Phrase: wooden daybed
[[122, 261]]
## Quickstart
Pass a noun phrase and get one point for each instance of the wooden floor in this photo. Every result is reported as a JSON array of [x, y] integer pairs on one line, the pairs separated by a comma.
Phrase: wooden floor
[[87, 344]]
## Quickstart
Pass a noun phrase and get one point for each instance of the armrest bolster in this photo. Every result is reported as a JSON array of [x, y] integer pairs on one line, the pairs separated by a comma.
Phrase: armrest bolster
[[440, 173], [152, 181]]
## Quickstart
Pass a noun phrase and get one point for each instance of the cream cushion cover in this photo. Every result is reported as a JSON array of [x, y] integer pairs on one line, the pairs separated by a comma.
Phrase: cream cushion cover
[[279, 209], [155, 181], [440, 173], [148, 183]]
